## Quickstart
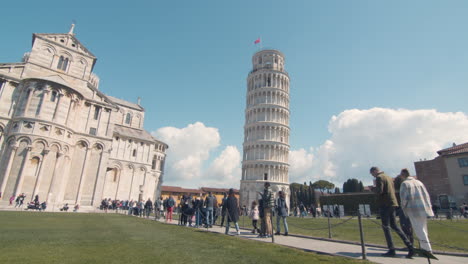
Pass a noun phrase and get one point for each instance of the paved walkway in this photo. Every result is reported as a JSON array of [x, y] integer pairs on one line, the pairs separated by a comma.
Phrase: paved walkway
[[339, 249]]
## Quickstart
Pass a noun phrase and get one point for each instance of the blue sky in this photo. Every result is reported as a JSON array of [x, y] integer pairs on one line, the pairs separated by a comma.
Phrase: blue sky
[[189, 60]]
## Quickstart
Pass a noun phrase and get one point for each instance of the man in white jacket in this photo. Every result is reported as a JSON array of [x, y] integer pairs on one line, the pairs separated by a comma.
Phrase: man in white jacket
[[416, 204]]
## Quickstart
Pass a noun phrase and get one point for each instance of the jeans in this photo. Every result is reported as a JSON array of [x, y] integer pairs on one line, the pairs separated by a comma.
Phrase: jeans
[[227, 226], [285, 223], [197, 218], [387, 215], [209, 216]]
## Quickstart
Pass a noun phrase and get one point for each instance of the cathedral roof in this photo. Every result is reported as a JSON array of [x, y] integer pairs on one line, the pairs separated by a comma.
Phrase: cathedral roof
[[133, 133], [125, 103]]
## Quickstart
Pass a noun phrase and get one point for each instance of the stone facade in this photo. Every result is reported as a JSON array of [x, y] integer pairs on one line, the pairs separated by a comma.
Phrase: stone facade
[[266, 130], [63, 139]]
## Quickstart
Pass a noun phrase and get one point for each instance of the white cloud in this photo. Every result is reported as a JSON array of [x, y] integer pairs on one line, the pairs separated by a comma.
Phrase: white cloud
[[225, 169], [189, 151], [388, 138], [300, 165]]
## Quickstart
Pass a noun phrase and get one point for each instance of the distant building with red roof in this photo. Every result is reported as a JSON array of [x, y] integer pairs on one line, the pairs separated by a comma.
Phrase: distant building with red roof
[[446, 175]]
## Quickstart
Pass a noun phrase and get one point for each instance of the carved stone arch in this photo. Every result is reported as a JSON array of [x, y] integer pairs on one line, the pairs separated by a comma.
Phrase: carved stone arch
[[82, 143], [24, 138], [66, 54], [56, 145], [36, 157], [130, 166], [49, 48], [98, 147], [11, 141], [117, 165], [82, 60], [101, 144]]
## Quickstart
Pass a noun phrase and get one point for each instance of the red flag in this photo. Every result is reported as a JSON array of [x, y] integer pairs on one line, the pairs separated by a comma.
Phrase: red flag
[[257, 41]]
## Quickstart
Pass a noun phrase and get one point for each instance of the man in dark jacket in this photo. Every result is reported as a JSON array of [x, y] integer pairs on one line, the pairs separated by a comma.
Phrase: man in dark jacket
[[281, 213], [148, 207], [232, 210], [387, 202]]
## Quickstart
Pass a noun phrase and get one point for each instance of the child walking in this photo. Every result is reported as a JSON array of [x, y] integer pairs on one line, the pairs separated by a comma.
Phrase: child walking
[[254, 215]]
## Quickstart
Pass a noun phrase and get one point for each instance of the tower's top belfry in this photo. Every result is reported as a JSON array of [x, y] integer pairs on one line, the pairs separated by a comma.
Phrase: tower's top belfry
[[266, 130], [268, 59]]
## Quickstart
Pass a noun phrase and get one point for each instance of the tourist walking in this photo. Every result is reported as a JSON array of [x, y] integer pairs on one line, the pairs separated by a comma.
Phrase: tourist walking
[[281, 213], [12, 198], [254, 215], [405, 222], [416, 204], [387, 202], [232, 210], [223, 209]]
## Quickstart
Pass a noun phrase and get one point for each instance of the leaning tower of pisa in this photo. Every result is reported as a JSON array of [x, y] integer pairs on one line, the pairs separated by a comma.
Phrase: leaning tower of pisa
[[266, 130]]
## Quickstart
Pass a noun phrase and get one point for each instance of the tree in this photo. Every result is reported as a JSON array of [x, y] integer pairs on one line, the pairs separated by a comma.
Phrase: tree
[[337, 190], [323, 185], [353, 185]]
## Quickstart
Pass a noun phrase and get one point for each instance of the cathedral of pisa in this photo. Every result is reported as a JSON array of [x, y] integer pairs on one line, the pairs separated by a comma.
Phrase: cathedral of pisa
[[266, 130], [63, 139]]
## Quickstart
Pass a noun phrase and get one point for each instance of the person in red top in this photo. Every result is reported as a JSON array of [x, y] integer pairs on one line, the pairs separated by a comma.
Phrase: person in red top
[[170, 208]]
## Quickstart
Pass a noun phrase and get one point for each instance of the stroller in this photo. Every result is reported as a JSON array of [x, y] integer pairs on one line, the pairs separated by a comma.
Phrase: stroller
[[64, 208], [33, 206]]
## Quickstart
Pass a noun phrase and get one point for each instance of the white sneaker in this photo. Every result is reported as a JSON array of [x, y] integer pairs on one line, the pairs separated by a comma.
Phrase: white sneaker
[[238, 232]]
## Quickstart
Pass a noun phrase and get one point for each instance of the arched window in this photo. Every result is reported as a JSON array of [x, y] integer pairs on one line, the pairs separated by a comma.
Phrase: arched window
[[65, 64], [128, 119], [62, 63]]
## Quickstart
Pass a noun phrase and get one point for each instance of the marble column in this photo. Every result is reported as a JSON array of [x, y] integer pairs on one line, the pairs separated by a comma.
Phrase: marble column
[[21, 175], [58, 162], [14, 148], [83, 174], [70, 107], [131, 184], [42, 103], [28, 101], [57, 105], [41, 172], [119, 172]]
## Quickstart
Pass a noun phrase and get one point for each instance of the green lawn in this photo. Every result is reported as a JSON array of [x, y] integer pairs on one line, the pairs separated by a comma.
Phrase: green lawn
[[442, 233], [33, 237]]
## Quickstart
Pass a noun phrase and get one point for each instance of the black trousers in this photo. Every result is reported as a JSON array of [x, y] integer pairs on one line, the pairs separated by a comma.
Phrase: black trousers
[[387, 215]]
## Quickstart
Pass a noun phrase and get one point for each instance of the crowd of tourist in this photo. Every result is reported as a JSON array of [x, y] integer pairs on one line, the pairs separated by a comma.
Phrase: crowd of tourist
[[35, 204]]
